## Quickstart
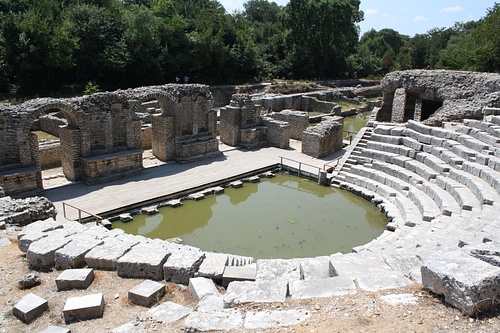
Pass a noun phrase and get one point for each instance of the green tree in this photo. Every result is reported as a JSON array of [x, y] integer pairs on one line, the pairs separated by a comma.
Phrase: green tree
[[486, 41], [323, 34]]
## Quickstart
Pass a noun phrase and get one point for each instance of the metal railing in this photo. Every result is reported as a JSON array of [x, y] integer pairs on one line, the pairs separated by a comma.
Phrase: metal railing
[[98, 219], [300, 164]]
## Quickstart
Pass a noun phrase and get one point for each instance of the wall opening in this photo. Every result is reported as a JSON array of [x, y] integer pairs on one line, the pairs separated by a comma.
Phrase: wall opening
[[429, 107], [410, 107]]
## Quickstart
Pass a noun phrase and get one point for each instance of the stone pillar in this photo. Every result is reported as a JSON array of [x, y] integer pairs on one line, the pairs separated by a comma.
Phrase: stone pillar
[[163, 137], [36, 159], [134, 135], [230, 120], [71, 152], [398, 106], [418, 110], [212, 123], [107, 127]]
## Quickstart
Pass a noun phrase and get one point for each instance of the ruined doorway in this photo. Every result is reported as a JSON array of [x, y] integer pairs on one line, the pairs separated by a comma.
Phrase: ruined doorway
[[429, 107], [410, 103]]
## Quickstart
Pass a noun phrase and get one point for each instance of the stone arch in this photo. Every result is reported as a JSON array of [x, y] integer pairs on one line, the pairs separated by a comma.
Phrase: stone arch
[[168, 103], [74, 115]]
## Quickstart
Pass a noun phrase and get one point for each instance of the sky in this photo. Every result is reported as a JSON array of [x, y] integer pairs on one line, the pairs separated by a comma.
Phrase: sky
[[405, 16]]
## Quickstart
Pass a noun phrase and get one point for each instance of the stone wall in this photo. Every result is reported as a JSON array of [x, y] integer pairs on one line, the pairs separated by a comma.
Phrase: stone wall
[[323, 139], [298, 121], [278, 132], [106, 126], [24, 211], [50, 154], [103, 168], [146, 137], [437, 96]]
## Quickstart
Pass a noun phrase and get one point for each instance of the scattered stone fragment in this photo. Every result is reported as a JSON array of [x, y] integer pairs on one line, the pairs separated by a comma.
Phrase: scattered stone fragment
[[84, 307], [4, 242], [316, 268], [252, 179], [335, 286], [169, 312], [270, 319], [283, 269], [467, 283], [56, 329], [134, 326], [75, 279], [29, 281], [222, 320], [210, 303], [399, 299], [201, 287], [30, 307], [147, 293], [173, 203]]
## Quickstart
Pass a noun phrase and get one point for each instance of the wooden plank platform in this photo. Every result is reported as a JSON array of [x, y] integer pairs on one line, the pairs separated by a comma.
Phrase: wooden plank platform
[[171, 178]]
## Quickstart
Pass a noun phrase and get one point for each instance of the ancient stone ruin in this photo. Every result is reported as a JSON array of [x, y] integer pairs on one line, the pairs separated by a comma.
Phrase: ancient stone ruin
[[434, 96], [100, 136]]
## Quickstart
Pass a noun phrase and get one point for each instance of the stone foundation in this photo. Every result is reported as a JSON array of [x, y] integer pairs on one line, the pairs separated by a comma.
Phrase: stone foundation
[[105, 167], [323, 139]]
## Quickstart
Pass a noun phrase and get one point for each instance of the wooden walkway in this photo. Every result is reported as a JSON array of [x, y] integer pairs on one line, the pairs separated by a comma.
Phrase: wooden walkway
[[171, 178]]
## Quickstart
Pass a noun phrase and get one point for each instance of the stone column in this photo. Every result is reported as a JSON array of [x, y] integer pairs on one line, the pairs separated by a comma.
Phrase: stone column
[[71, 152], [163, 137], [230, 120], [134, 136], [418, 110], [36, 160], [398, 106]]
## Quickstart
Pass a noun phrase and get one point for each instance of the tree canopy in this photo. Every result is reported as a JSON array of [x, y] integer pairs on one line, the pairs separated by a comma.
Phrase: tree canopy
[[59, 47]]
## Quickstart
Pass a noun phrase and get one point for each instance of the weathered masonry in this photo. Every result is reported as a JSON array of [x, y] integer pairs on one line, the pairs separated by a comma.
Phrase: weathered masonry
[[434, 96], [101, 138]]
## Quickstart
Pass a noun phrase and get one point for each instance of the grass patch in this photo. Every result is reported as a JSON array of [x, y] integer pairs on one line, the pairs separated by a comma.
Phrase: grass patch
[[45, 136]]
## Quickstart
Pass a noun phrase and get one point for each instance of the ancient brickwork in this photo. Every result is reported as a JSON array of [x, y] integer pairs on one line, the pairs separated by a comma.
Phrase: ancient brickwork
[[101, 135], [278, 132], [50, 154], [436, 96], [323, 139], [298, 120]]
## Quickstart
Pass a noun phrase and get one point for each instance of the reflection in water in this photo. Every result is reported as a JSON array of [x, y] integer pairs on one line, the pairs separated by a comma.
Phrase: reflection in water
[[297, 218]]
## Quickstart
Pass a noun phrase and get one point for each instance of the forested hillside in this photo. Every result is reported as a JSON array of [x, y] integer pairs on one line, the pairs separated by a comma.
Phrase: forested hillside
[[67, 47]]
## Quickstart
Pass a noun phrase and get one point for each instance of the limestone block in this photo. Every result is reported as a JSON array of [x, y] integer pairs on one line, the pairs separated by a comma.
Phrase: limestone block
[[222, 320], [30, 307], [283, 269], [276, 318], [467, 283], [75, 279], [239, 273], [143, 262], [41, 254], [169, 312], [260, 291], [382, 281], [355, 265], [106, 255], [335, 286], [84, 307], [72, 255], [56, 329], [210, 303], [4, 242], [147, 293], [316, 268], [201, 287], [213, 266], [40, 226], [182, 264]]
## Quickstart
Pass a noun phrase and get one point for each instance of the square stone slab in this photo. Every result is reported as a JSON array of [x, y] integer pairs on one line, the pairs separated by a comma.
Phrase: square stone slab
[[56, 329], [201, 287], [147, 293], [75, 279], [30, 307], [84, 307]]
